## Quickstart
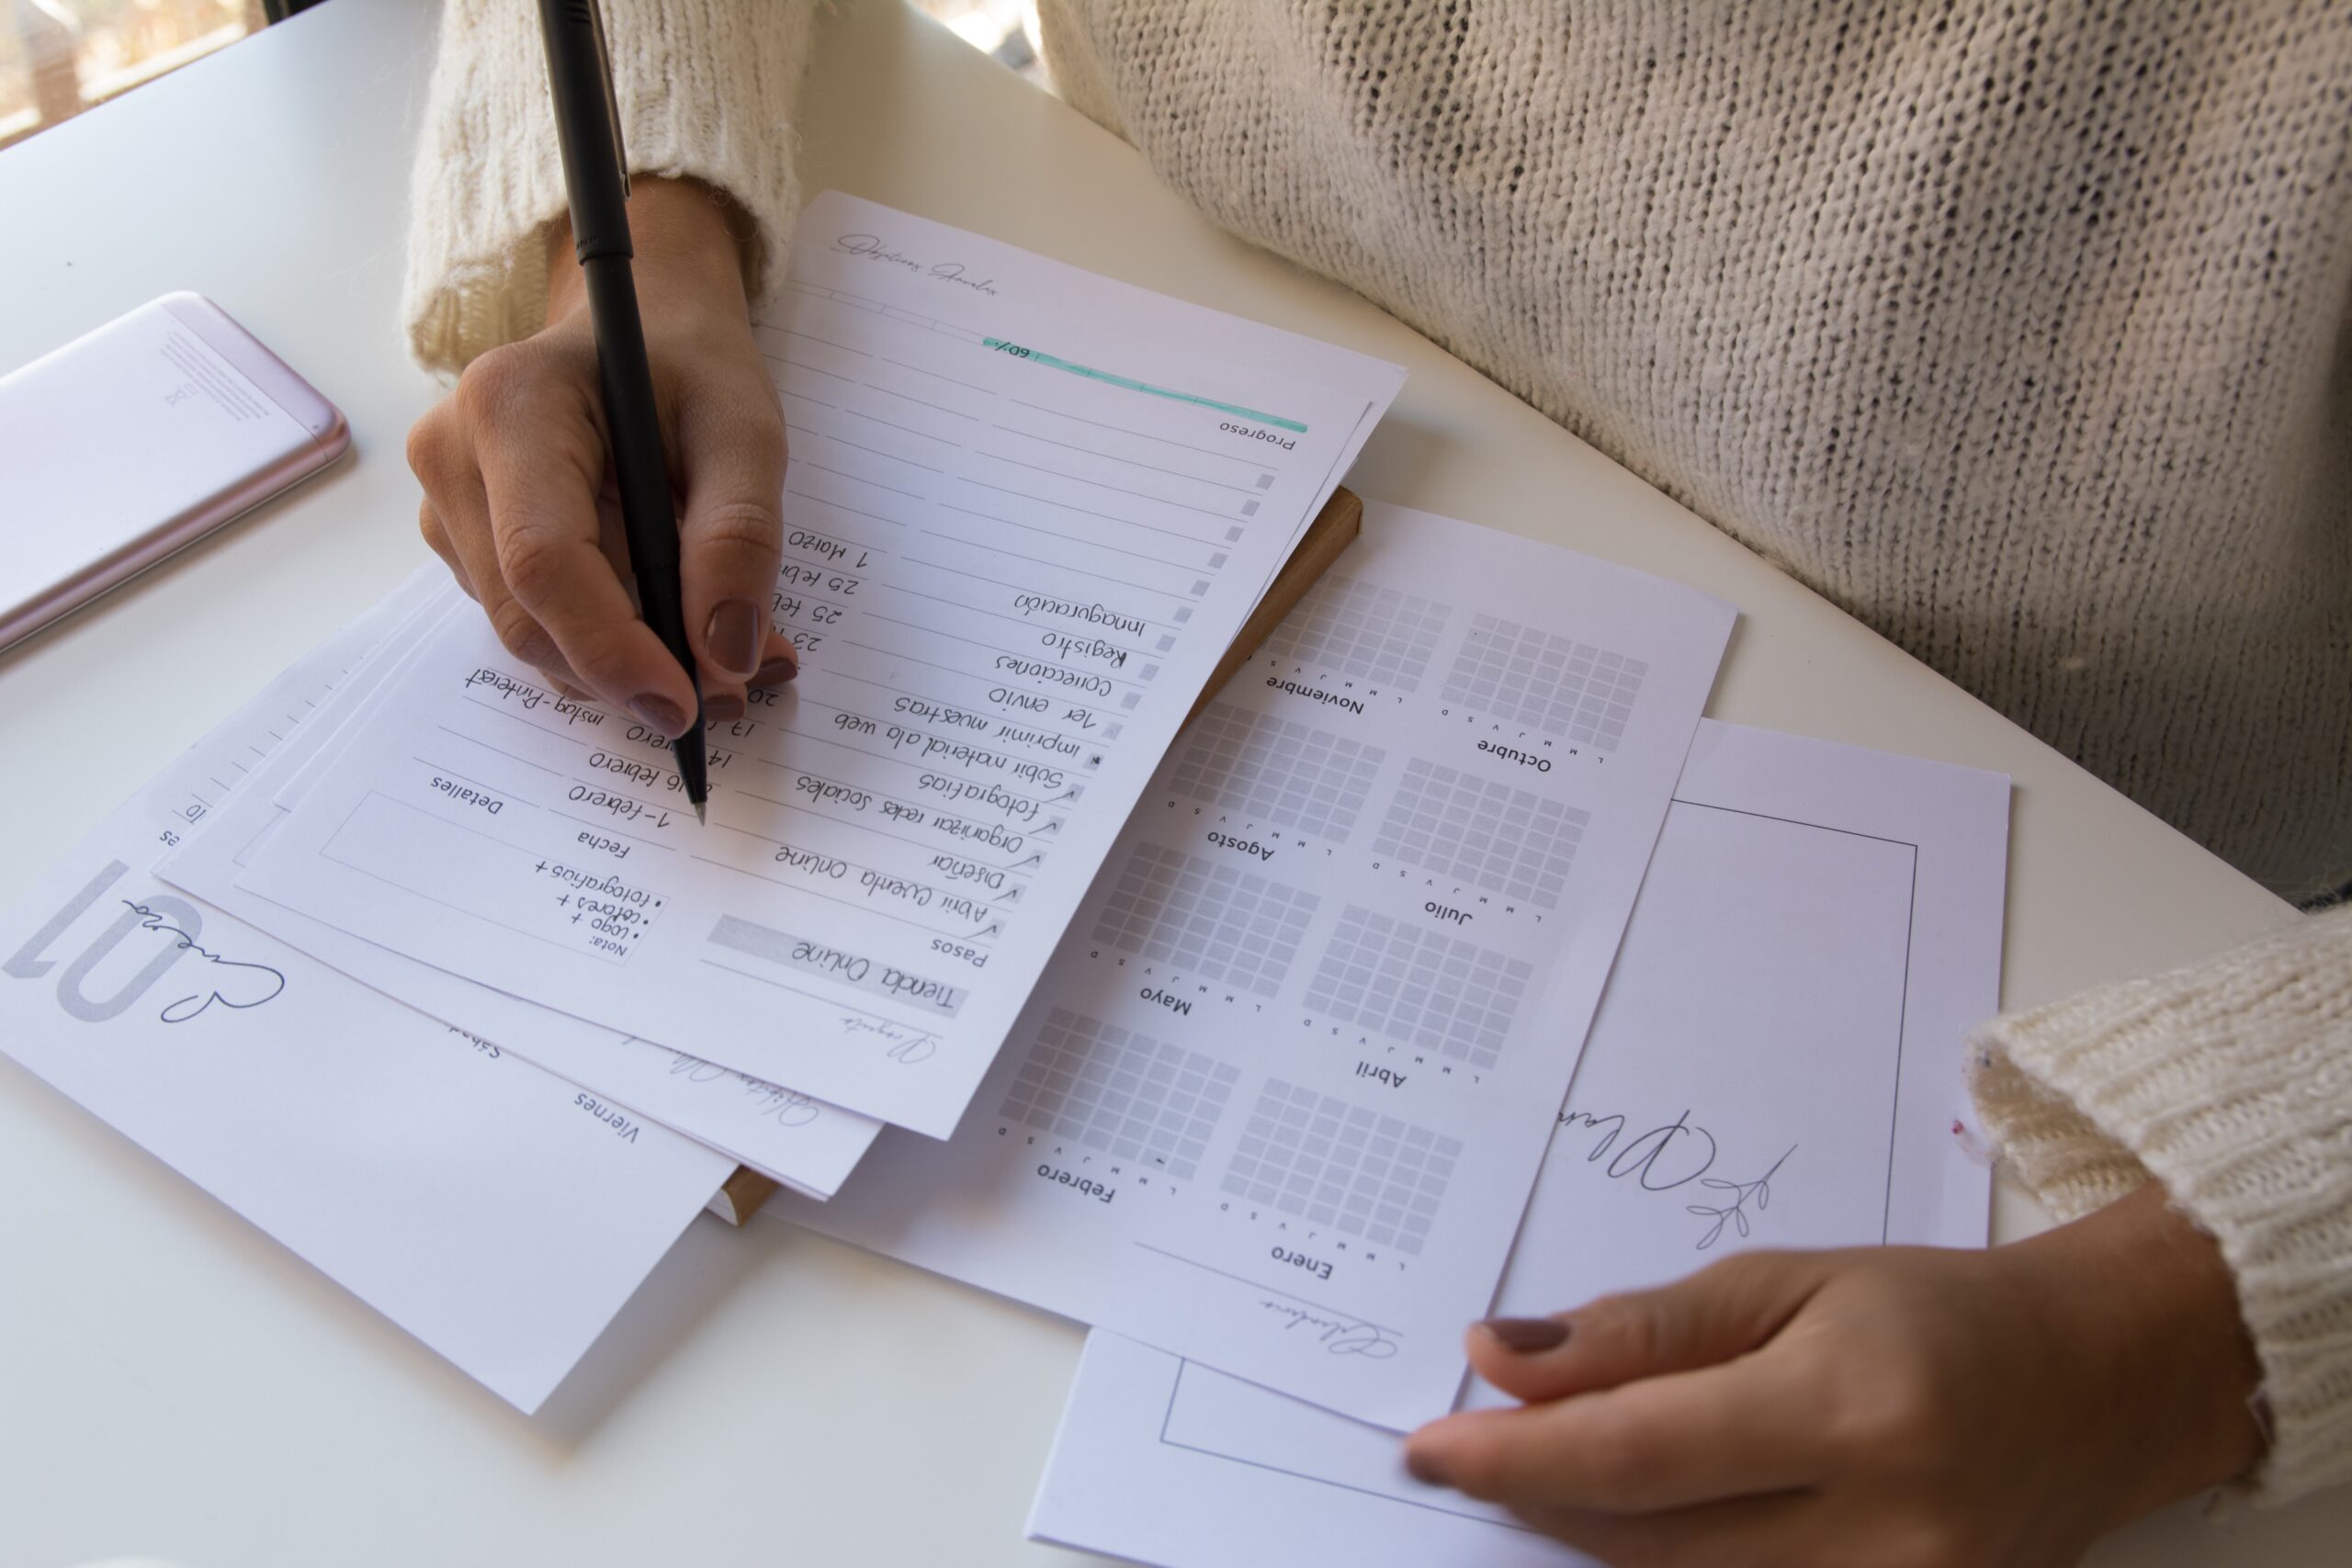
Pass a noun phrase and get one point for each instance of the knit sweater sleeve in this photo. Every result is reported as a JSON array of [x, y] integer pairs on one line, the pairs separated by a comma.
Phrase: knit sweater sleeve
[[2230, 1082], [707, 89]]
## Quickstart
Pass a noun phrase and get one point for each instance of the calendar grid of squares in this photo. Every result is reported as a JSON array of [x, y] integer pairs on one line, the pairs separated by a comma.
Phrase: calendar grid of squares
[[1555, 683], [1280, 772], [1364, 630], [1489, 835], [1209, 919], [1320, 1159], [1120, 1093], [1424, 988]]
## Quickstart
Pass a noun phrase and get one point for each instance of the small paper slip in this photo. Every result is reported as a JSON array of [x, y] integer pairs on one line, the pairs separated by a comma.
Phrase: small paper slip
[[1281, 1097], [1775, 1063], [801, 1143], [1027, 511], [409, 1164]]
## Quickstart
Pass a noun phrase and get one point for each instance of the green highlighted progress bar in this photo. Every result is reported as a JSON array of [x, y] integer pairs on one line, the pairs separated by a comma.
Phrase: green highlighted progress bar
[[1035, 357]]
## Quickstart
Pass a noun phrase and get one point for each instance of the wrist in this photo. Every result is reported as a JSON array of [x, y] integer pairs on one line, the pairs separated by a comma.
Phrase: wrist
[[692, 253], [2149, 1311]]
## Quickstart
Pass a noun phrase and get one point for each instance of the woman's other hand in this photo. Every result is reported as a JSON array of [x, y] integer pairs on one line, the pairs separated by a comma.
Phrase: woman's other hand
[[1896, 1408], [518, 494]]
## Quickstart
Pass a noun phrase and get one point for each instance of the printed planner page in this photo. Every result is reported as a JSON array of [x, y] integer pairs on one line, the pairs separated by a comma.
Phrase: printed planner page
[[1281, 1097], [799, 1141], [1025, 521], [1775, 1063], [412, 1165]]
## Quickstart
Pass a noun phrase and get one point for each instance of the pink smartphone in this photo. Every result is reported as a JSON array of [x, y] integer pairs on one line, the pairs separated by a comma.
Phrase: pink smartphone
[[140, 438]]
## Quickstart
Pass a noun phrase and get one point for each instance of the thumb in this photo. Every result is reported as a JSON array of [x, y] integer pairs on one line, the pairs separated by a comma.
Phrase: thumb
[[730, 540], [1722, 1312]]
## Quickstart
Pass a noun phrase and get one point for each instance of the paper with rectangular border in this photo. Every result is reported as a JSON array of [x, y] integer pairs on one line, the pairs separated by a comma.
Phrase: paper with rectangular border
[[1797, 886]]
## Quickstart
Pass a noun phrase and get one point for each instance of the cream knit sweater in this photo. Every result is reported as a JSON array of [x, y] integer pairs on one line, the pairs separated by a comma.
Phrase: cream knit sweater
[[2016, 328]]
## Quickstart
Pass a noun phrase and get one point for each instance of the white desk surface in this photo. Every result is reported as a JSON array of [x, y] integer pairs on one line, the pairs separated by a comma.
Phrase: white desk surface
[[171, 1381]]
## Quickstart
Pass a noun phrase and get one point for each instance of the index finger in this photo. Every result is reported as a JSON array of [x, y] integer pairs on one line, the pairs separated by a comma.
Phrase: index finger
[[544, 516], [1733, 1430], [731, 465]]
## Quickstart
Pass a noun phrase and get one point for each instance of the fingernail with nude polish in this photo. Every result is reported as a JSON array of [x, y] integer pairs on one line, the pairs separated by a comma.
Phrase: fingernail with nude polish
[[658, 713], [1527, 1336], [733, 635], [725, 708], [776, 671]]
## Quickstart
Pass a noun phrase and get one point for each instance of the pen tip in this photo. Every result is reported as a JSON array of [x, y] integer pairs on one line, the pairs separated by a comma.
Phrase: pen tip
[[702, 812]]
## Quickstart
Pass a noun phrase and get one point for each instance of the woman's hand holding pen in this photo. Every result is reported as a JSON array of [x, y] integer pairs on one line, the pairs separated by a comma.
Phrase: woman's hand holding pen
[[518, 494]]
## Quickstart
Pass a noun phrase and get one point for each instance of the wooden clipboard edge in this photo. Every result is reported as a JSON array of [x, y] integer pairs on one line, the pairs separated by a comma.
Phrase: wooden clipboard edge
[[740, 1196], [1334, 529]]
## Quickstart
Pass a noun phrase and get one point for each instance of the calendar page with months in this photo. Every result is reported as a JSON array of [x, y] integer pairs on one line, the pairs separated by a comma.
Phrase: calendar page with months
[[1280, 1099]]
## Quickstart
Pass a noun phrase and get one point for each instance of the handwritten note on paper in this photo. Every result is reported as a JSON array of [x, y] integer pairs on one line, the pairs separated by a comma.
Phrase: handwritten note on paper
[[800, 1142], [1775, 1063], [1281, 1095], [406, 1162], [1024, 523]]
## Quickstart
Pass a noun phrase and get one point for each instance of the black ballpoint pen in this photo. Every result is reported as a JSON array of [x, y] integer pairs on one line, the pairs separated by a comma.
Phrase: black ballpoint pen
[[595, 179]]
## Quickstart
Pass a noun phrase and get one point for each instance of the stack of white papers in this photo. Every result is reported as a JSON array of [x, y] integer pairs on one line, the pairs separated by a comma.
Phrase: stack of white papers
[[490, 1209], [1028, 510], [1348, 950], [1244, 1045], [780, 1133]]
